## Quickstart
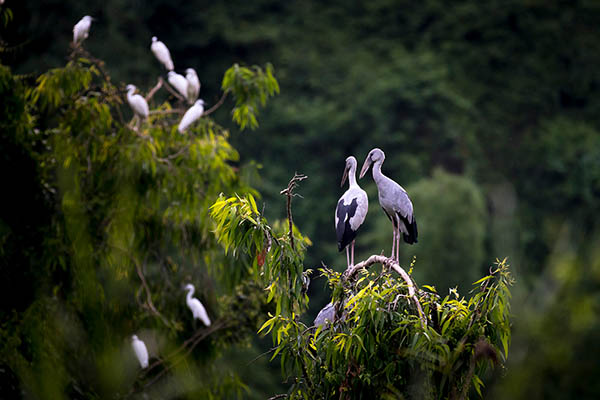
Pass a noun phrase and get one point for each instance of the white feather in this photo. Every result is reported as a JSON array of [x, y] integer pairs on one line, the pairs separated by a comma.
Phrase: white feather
[[140, 350], [162, 53], [191, 115]]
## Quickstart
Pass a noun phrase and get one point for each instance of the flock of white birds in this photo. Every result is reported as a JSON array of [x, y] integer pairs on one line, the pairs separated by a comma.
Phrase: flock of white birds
[[189, 88]]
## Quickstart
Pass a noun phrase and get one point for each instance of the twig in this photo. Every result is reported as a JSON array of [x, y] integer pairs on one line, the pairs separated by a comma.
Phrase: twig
[[217, 104], [388, 262], [289, 193], [278, 396], [173, 92]]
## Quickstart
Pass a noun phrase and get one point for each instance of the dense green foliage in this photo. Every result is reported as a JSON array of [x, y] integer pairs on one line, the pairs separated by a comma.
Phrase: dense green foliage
[[113, 222]]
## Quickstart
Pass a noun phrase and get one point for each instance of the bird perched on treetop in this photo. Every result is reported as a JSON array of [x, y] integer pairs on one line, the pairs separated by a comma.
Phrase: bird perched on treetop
[[162, 53], [191, 115], [82, 29], [137, 103], [179, 83], [193, 88], [194, 304], [395, 202], [350, 212]]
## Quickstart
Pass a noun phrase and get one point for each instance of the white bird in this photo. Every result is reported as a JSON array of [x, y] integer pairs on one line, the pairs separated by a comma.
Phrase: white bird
[[141, 352], [197, 308], [162, 53], [82, 29], [137, 103], [191, 115], [193, 89], [395, 202], [179, 83], [350, 212]]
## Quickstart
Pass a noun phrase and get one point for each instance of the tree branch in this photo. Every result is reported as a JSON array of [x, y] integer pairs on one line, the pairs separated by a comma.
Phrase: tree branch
[[289, 193], [388, 262], [154, 89], [217, 104]]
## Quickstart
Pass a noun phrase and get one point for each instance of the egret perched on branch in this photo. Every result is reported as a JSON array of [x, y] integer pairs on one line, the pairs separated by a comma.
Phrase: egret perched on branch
[[179, 83], [350, 212], [193, 89], [141, 352], [194, 304], [82, 29], [191, 115], [395, 202], [137, 103], [162, 53]]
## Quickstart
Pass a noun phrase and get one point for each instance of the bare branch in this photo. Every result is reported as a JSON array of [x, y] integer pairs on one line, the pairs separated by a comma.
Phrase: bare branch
[[289, 193], [154, 89], [217, 104], [388, 262]]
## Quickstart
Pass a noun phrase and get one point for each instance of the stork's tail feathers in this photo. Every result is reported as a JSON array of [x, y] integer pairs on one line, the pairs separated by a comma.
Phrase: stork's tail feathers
[[411, 237]]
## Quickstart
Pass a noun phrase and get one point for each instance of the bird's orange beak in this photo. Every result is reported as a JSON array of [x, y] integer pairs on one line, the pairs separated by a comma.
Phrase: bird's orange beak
[[365, 167], [345, 176]]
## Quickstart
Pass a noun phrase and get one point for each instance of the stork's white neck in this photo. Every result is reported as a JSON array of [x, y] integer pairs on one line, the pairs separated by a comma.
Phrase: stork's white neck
[[352, 175], [377, 174], [190, 293]]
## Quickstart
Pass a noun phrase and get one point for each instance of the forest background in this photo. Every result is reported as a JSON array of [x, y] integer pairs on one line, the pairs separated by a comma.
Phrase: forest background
[[487, 111]]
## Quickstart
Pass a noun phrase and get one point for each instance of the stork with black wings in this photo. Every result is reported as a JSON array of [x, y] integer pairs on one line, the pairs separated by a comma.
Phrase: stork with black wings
[[350, 212]]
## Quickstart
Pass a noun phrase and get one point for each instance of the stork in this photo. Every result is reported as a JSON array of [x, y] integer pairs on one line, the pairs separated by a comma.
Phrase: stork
[[179, 83], [137, 103], [193, 88], [140, 350], [162, 53], [194, 304], [82, 29], [350, 212], [395, 202], [191, 115]]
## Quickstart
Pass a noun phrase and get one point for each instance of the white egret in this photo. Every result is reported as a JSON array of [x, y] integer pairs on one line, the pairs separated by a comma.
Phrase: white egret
[[179, 83], [162, 53], [395, 202], [193, 89], [82, 29], [350, 212], [191, 115], [140, 350], [137, 103], [194, 304]]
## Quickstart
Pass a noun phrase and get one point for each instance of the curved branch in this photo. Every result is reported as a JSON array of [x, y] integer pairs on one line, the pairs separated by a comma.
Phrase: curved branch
[[388, 262], [217, 104], [155, 88]]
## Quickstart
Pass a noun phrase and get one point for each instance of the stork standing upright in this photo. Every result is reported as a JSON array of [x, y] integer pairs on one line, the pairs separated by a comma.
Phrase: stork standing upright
[[350, 212], [162, 53], [140, 350], [394, 200], [137, 103], [82, 29], [194, 304]]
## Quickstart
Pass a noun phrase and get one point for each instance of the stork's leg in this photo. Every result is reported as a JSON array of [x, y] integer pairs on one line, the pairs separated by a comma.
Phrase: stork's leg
[[352, 253], [398, 236], [348, 256], [394, 244]]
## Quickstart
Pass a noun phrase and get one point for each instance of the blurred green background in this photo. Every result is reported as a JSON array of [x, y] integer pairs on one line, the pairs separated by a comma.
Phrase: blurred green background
[[488, 112]]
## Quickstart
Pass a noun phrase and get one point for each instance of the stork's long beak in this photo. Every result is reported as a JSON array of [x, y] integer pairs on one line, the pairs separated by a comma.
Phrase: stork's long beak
[[365, 167], [344, 177]]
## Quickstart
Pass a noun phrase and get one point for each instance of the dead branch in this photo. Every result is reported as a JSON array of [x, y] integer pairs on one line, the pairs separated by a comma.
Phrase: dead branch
[[217, 104], [388, 262], [154, 89], [289, 193]]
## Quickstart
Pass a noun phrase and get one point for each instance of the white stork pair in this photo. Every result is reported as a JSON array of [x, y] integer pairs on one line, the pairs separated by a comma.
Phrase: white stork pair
[[352, 207]]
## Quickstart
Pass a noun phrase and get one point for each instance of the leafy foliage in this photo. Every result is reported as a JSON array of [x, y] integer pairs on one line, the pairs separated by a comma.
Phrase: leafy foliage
[[126, 224]]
